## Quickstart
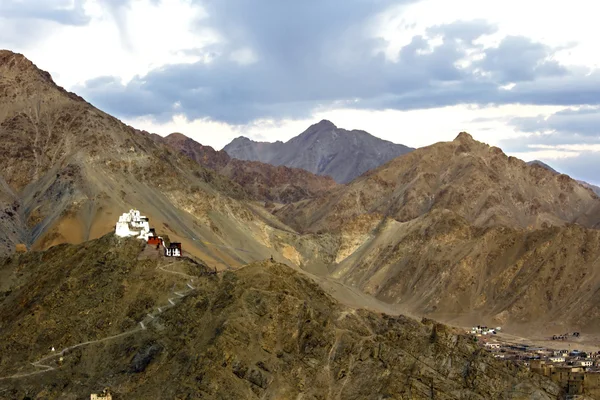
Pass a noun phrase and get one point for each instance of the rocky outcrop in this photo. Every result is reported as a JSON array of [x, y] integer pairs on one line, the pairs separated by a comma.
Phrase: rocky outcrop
[[322, 149]]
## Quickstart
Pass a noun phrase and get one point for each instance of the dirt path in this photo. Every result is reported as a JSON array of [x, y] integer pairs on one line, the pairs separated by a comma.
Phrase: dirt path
[[142, 325]]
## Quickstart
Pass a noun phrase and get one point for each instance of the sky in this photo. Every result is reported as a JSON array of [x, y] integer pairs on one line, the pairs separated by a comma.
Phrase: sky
[[521, 75]]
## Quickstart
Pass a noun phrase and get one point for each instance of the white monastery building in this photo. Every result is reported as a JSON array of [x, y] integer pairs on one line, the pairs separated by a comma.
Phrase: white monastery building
[[133, 224]]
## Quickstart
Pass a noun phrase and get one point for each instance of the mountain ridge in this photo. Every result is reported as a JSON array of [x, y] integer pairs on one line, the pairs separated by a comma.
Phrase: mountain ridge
[[460, 232], [322, 149], [266, 182]]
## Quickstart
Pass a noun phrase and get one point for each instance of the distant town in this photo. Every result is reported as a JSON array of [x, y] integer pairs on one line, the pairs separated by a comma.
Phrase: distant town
[[577, 372]]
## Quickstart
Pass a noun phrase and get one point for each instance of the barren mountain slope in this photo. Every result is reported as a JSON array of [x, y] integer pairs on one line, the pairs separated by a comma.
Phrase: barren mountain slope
[[462, 233], [74, 169], [322, 149], [12, 229], [264, 181], [438, 265], [262, 332], [474, 180], [594, 188]]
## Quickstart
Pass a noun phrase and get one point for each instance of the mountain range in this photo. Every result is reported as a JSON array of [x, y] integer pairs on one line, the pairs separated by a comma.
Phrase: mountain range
[[322, 149], [457, 231]]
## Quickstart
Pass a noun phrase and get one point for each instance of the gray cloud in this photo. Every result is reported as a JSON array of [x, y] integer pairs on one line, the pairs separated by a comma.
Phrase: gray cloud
[[585, 167], [568, 127], [24, 23], [571, 126], [312, 53], [518, 59], [59, 11]]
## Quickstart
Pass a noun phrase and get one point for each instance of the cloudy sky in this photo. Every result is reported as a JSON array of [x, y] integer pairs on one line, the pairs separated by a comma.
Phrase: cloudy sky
[[520, 74]]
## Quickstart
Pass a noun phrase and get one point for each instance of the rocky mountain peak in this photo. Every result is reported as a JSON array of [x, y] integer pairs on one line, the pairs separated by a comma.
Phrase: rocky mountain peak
[[323, 149], [241, 139], [177, 136], [325, 124], [464, 137], [17, 64]]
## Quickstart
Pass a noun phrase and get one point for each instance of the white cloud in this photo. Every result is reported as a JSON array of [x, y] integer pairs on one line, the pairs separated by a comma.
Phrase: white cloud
[[156, 35], [244, 56], [568, 147], [556, 23]]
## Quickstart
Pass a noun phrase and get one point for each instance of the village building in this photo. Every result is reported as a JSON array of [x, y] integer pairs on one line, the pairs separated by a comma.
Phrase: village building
[[174, 250], [557, 359], [561, 353], [492, 346], [584, 363]]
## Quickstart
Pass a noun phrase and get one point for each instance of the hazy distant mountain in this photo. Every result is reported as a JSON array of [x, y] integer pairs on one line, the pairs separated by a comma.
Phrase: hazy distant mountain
[[264, 181], [322, 149]]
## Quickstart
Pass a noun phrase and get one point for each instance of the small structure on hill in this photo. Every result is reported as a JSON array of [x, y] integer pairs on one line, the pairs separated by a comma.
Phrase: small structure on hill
[[133, 224], [174, 250], [21, 248], [103, 395]]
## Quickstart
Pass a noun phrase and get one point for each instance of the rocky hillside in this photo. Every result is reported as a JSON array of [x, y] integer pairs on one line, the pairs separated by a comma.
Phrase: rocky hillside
[[542, 164], [461, 232], [69, 170], [594, 188], [264, 181], [477, 182], [12, 229], [262, 332], [322, 149]]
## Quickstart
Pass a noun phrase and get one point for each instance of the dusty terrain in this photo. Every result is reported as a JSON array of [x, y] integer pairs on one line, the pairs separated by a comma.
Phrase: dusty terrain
[[263, 331]]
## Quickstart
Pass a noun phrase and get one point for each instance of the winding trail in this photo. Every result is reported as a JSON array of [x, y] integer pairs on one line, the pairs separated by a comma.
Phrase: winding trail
[[142, 325]]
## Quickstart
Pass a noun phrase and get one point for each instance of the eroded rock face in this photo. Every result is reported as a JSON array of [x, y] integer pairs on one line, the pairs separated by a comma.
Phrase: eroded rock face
[[262, 332]]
